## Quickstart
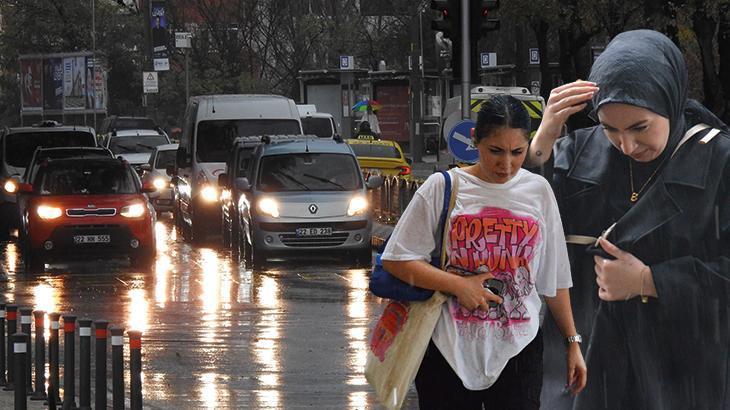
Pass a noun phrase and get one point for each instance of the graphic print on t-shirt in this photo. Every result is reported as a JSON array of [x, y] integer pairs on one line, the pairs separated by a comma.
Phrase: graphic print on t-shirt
[[498, 241]]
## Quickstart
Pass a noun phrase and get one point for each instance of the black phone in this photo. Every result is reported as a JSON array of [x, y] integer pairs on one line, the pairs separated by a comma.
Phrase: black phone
[[495, 286]]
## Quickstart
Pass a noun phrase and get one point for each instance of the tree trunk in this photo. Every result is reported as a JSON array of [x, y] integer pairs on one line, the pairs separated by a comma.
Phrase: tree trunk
[[704, 28], [723, 42]]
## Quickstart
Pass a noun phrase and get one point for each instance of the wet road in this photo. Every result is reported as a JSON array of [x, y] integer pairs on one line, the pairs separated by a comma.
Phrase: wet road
[[218, 335]]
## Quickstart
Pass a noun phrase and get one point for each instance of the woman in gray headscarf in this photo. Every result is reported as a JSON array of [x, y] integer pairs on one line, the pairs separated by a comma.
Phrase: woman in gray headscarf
[[653, 179]]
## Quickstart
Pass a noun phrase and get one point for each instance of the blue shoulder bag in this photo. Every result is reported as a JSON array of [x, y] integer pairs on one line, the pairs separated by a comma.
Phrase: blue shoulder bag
[[385, 285]]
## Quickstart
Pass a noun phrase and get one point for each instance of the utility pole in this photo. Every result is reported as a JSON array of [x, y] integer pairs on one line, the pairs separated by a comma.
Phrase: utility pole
[[93, 60], [415, 79], [465, 61]]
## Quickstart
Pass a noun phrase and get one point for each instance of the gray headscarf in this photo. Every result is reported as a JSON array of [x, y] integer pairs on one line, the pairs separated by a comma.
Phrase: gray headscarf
[[646, 69]]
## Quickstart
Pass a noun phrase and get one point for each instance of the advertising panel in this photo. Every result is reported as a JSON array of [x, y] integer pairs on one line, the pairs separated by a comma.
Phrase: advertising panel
[[74, 83], [96, 84], [31, 82], [53, 84], [160, 35]]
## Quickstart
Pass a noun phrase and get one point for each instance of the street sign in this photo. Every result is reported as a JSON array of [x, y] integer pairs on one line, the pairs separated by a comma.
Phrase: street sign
[[183, 40], [534, 56], [488, 60], [347, 62], [460, 143], [149, 82], [162, 64]]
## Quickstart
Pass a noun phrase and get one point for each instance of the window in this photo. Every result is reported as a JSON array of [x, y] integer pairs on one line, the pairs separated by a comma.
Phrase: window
[[136, 143], [19, 147], [375, 150], [214, 139], [165, 159], [321, 127], [74, 177], [308, 172]]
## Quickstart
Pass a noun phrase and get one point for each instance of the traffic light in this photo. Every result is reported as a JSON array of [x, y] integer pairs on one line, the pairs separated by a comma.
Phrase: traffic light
[[448, 19], [480, 21]]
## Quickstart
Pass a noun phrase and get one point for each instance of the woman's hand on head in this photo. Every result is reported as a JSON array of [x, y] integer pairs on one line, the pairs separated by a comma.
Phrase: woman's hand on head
[[563, 102], [470, 291]]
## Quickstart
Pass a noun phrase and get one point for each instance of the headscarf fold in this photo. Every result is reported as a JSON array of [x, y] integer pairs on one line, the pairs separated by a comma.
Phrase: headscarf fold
[[644, 68]]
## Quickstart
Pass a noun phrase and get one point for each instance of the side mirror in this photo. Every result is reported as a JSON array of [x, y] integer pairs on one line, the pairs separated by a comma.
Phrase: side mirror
[[223, 180], [145, 167], [182, 158], [242, 184], [375, 181]]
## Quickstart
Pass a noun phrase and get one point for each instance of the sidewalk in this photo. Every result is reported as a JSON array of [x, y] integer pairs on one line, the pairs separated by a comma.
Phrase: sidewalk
[[7, 401]]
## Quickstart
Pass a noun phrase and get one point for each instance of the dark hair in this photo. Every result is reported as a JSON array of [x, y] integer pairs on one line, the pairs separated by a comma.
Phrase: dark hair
[[501, 111], [364, 126]]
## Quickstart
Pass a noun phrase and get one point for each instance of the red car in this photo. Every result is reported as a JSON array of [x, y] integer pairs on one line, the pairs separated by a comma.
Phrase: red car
[[88, 207]]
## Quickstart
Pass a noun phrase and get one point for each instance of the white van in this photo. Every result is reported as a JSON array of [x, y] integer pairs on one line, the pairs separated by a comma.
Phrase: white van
[[317, 123], [211, 124]]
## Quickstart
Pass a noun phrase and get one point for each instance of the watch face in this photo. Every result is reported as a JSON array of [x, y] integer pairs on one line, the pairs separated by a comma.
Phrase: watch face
[[575, 338]]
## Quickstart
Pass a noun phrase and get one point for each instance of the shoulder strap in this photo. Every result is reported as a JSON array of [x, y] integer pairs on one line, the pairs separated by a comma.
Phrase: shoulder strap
[[450, 190], [694, 130]]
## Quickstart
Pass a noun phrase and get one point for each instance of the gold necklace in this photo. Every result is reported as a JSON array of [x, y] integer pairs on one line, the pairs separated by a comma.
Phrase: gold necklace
[[635, 194]]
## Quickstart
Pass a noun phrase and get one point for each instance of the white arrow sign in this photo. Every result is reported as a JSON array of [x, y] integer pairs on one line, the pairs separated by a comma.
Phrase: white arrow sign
[[466, 140]]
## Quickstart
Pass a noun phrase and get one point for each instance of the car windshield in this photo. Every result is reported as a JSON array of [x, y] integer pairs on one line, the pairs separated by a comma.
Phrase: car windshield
[[375, 150], [165, 159], [215, 138], [74, 177], [19, 147], [309, 172], [136, 143], [321, 127], [133, 124]]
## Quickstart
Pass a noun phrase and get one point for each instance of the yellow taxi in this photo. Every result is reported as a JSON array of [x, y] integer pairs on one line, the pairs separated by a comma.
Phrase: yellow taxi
[[380, 157]]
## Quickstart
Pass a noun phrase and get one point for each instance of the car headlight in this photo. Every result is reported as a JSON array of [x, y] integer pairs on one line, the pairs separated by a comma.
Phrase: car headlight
[[10, 186], [159, 183], [269, 206], [357, 206], [209, 193], [133, 211], [48, 212]]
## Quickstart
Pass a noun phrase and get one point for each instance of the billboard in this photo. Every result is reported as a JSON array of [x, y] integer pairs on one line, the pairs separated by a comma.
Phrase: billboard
[[96, 85], [53, 84], [160, 36], [74, 83], [31, 83]]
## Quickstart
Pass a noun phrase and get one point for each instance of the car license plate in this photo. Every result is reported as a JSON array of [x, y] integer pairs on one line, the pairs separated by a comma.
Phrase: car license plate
[[92, 239], [314, 231]]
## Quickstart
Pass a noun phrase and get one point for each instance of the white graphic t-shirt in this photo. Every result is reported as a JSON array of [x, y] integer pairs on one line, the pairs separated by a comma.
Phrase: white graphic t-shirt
[[512, 230]]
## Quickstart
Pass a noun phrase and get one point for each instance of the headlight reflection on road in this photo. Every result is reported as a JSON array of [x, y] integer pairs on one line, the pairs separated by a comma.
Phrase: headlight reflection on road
[[357, 327], [163, 236], [210, 390], [266, 352], [162, 276], [46, 299], [138, 311]]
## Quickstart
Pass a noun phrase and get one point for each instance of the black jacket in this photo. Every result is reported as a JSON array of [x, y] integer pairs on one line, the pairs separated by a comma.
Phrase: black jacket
[[674, 351]]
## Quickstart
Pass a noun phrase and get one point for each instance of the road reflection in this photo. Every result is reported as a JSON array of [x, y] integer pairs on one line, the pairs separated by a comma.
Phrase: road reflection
[[266, 347]]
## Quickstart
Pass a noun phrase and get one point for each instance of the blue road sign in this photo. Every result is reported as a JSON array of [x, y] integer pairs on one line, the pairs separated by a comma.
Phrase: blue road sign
[[460, 144]]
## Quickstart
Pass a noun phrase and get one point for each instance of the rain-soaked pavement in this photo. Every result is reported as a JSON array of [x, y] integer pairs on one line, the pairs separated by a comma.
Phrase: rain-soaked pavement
[[218, 335]]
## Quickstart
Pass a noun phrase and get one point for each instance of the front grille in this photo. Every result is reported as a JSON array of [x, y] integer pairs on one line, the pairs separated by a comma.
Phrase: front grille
[[291, 227], [87, 227], [313, 241], [81, 212]]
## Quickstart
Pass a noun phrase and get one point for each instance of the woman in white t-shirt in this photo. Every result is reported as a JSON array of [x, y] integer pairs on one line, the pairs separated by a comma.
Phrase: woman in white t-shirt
[[505, 225]]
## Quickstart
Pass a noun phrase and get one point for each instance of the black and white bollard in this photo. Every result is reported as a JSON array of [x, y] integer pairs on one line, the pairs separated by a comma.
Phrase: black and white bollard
[[100, 356], [135, 368], [117, 368], [53, 358], [39, 393], [26, 319], [69, 362], [84, 364], [3, 314], [12, 319], [20, 353]]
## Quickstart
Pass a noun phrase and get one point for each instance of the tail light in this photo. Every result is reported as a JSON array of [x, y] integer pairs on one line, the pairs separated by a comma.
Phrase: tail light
[[405, 171]]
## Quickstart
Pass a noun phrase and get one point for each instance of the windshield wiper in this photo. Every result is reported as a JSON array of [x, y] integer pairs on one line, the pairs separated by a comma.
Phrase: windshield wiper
[[296, 181], [325, 180], [139, 144], [125, 147]]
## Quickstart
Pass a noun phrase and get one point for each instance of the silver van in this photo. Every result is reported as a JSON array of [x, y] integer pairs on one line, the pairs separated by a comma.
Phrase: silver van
[[305, 195], [211, 124]]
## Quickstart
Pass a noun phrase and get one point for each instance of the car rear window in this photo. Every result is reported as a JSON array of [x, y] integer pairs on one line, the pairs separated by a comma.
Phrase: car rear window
[[165, 159], [375, 150], [136, 143], [74, 177], [133, 124], [215, 137], [19, 147], [309, 172], [321, 127]]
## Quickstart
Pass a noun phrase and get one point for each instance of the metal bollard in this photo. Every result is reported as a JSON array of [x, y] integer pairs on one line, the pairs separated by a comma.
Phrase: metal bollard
[[53, 358], [100, 355], [135, 368], [26, 318], [84, 364], [117, 368], [20, 353], [12, 316], [39, 393], [69, 362], [3, 313]]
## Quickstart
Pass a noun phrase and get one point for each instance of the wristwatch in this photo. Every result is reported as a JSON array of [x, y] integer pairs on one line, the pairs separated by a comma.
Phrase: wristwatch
[[574, 339]]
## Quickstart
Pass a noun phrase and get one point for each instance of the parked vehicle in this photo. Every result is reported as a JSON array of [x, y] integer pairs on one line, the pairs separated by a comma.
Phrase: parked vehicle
[[17, 146], [211, 124], [305, 195], [135, 146], [381, 157], [161, 159], [87, 207]]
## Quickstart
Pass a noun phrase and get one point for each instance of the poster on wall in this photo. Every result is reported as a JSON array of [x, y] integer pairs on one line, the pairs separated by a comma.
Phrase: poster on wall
[[74, 83], [53, 84], [96, 84], [31, 82]]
